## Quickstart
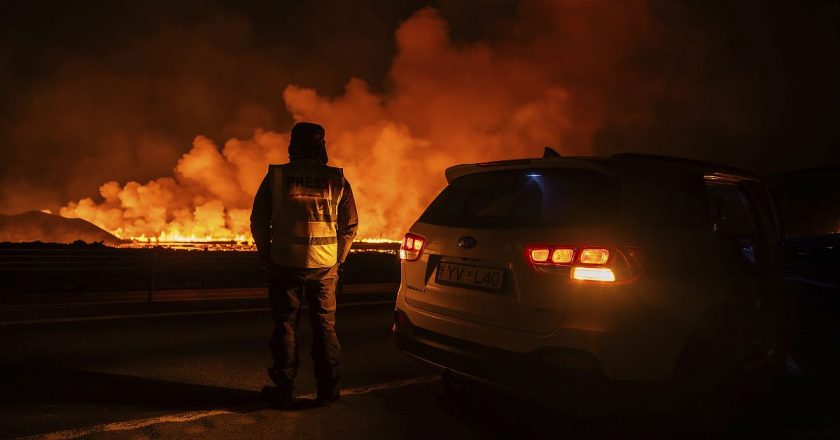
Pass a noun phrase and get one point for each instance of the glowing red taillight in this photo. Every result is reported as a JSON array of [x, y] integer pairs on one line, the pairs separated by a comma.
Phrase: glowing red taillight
[[588, 263], [594, 256], [539, 255], [550, 255], [412, 247], [562, 256]]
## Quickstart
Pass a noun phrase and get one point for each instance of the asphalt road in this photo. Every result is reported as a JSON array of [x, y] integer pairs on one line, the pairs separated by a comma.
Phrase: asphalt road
[[81, 374], [199, 376]]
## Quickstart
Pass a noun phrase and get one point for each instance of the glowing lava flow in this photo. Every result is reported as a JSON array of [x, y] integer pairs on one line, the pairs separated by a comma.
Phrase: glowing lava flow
[[176, 237], [239, 243]]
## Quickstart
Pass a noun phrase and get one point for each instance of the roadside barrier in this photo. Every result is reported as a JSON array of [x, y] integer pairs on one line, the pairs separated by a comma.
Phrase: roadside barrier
[[45, 270]]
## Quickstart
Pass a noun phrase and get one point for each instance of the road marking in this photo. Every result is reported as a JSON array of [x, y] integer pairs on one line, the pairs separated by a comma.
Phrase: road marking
[[129, 425], [166, 314], [352, 391], [132, 425]]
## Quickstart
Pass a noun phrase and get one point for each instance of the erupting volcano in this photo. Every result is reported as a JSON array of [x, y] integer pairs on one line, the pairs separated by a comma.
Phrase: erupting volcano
[[586, 78], [450, 103]]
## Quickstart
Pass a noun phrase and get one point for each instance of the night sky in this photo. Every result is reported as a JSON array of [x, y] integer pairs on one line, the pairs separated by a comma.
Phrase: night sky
[[107, 90]]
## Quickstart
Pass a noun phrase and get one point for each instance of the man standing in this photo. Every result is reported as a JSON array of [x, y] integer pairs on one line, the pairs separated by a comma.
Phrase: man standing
[[303, 223]]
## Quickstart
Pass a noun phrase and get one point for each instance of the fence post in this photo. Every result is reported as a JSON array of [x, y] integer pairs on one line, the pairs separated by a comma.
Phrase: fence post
[[150, 296]]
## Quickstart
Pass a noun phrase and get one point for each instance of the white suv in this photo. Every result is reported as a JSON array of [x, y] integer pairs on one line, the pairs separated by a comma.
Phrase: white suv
[[528, 273]]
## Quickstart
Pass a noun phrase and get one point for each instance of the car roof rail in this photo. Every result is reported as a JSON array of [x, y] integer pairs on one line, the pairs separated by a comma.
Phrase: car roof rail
[[550, 153], [708, 166]]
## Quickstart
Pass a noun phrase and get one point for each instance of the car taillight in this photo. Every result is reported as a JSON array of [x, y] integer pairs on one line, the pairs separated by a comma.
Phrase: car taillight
[[587, 263], [412, 247], [550, 256], [594, 256], [562, 256], [584, 273], [539, 255]]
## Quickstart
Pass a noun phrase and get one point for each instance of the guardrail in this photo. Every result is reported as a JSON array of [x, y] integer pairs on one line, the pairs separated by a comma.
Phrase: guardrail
[[108, 269], [46, 270]]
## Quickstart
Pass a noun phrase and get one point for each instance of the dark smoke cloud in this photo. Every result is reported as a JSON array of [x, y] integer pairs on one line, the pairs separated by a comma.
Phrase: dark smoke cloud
[[748, 83]]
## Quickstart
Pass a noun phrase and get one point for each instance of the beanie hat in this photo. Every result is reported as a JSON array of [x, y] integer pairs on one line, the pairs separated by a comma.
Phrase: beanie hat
[[307, 141]]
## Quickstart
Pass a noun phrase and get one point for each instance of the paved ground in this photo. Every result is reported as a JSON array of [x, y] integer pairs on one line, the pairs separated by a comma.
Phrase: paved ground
[[64, 376], [198, 377]]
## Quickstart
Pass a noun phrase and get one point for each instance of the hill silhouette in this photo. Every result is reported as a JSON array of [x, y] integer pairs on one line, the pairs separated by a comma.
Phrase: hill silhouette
[[48, 228]]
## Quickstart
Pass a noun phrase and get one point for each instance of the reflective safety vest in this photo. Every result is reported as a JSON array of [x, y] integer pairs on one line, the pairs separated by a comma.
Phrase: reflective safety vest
[[305, 213]]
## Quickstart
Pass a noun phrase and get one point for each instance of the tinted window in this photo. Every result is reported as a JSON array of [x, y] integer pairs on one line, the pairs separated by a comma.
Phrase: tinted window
[[731, 218], [526, 198], [689, 206], [729, 214]]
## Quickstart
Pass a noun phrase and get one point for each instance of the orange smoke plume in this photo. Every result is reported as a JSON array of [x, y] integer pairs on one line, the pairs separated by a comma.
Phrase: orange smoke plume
[[447, 103]]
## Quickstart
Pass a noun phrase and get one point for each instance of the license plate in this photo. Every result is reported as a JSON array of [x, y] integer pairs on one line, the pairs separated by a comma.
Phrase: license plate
[[473, 277]]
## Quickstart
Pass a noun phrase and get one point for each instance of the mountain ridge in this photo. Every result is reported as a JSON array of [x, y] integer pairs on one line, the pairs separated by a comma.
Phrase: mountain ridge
[[48, 228]]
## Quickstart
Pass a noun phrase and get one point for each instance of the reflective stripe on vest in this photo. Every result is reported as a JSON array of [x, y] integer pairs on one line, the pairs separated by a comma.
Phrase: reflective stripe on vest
[[305, 214]]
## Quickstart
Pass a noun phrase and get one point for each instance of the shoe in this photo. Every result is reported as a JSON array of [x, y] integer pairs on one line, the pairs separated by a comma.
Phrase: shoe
[[279, 397], [328, 394]]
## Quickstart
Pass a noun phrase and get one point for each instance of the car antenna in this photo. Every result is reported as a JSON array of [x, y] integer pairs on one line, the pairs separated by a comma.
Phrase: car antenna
[[549, 153]]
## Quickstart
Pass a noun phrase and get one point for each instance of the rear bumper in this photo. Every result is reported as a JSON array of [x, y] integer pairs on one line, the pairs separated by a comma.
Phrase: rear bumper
[[549, 370], [618, 337]]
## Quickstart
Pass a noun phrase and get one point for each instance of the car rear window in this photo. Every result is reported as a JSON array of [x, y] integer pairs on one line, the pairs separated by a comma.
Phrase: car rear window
[[526, 198]]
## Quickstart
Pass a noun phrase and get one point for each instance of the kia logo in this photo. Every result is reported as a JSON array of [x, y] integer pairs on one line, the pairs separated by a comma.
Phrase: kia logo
[[467, 242]]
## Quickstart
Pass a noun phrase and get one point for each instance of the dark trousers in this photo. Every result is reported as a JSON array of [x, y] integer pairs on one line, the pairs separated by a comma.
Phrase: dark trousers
[[286, 287]]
